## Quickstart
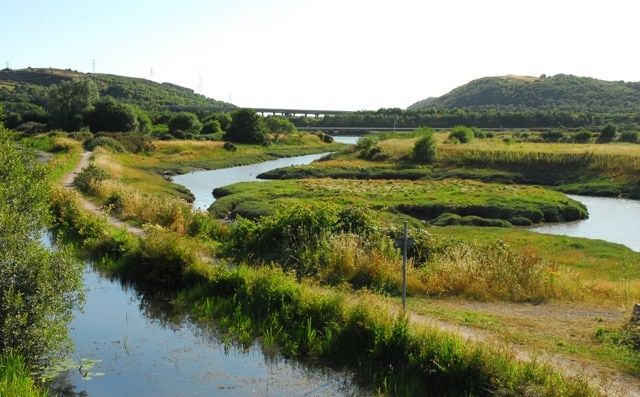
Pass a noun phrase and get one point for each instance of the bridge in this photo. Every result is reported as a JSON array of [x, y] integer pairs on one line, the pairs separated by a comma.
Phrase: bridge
[[262, 111]]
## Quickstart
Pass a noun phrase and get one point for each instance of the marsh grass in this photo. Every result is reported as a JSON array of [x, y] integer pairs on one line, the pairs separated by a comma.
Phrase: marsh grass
[[421, 199], [15, 379], [495, 272], [318, 323], [387, 351]]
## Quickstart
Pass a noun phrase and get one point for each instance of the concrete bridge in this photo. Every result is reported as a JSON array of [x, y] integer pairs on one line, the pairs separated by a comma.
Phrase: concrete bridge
[[262, 111]]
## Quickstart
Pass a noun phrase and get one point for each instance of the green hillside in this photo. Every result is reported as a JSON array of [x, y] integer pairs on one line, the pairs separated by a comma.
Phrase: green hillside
[[559, 92], [27, 88]]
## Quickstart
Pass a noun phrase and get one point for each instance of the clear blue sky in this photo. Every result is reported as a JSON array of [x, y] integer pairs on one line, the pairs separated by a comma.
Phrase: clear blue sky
[[329, 54]]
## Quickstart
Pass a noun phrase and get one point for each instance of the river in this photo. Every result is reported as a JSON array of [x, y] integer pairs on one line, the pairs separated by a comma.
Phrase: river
[[128, 344], [137, 349], [612, 219]]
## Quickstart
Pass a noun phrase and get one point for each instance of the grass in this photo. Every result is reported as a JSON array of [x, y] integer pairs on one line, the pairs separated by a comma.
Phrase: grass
[[15, 379], [422, 199], [578, 272], [185, 156]]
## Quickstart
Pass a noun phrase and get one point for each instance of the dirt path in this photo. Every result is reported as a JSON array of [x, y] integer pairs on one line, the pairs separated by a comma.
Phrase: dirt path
[[67, 181], [531, 316], [564, 319]]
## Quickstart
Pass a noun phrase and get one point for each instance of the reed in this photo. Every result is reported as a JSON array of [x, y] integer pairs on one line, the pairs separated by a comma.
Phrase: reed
[[15, 379], [360, 332]]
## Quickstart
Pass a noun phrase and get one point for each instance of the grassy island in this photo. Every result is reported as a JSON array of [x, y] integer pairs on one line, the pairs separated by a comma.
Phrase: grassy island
[[308, 264]]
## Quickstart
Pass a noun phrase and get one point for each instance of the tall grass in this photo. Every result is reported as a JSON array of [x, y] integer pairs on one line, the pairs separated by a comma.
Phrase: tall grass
[[387, 351], [15, 380], [495, 272]]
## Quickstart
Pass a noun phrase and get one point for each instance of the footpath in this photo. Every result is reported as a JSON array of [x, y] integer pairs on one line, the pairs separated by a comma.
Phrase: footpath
[[610, 384], [67, 181]]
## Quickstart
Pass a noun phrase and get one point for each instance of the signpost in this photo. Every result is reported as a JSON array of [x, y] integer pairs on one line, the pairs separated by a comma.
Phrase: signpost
[[404, 243]]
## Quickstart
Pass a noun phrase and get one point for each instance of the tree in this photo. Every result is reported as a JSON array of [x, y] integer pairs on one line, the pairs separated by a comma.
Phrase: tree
[[211, 126], [425, 150], [110, 116], [279, 127], [186, 122], [68, 100], [246, 127], [39, 287], [223, 118], [608, 132]]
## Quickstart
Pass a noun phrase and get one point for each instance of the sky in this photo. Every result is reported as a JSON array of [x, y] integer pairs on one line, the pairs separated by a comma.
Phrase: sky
[[323, 54]]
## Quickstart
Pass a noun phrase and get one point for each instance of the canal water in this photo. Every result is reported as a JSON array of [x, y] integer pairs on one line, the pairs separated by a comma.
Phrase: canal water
[[202, 183], [127, 344], [611, 219]]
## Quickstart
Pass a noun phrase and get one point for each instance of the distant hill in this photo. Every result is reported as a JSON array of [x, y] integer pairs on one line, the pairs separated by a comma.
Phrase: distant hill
[[559, 92], [146, 94]]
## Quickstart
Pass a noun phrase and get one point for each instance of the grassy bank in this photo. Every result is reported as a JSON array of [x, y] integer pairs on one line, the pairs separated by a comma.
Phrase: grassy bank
[[303, 319], [589, 169], [16, 381], [327, 274], [439, 202]]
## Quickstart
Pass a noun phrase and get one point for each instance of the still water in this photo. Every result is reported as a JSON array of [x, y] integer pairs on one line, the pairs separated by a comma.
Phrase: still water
[[202, 183], [129, 345], [612, 219]]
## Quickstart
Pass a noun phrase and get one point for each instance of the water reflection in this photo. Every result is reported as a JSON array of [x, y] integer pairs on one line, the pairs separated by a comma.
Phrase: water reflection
[[143, 349]]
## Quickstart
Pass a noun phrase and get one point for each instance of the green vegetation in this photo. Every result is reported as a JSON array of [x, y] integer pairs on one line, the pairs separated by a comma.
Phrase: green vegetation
[[310, 266], [553, 93], [422, 199], [15, 379], [571, 168], [40, 287]]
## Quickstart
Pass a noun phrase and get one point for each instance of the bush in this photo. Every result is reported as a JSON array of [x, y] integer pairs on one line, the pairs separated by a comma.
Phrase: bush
[[186, 122], [552, 136], [211, 127], [425, 149], [608, 132], [106, 142], [461, 134], [582, 136], [31, 128], [629, 136], [88, 177]]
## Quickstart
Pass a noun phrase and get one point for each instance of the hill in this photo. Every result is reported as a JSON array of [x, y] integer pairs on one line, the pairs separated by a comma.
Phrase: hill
[[559, 92], [29, 85]]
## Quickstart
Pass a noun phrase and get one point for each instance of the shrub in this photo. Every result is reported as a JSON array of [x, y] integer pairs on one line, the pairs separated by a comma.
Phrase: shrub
[[85, 181], [31, 128], [185, 121], [211, 127], [461, 134], [552, 136], [608, 132], [629, 136], [229, 147], [106, 142], [425, 149], [582, 136]]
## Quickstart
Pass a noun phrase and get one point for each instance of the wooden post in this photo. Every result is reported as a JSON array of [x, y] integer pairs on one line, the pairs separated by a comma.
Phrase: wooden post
[[404, 268]]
